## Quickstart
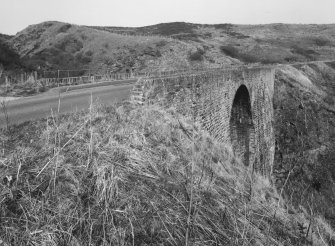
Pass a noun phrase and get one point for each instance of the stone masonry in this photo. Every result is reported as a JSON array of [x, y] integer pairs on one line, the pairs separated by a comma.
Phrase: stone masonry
[[234, 105]]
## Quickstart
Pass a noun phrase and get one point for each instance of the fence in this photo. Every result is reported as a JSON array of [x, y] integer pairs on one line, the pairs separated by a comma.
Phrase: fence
[[54, 82], [97, 76]]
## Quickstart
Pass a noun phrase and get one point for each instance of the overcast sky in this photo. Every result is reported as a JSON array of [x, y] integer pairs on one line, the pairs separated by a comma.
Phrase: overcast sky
[[15, 15]]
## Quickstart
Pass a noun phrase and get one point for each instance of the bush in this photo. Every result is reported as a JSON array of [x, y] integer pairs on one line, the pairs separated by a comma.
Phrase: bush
[[161, 43], [69, 44], [227, 27], [229, 50], [197, 55], [187, 36], [8, 57], [168, 29], [323, 42], [64, 28], [329, 99], [308, 53]]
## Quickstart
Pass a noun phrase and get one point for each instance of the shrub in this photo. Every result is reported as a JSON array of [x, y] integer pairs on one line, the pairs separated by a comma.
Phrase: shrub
[[187, 36], [226, 27], [64, 28], [308, 53], [229, 50], [168, 29], [329, 99], [69, 44], [322, 42], [161, 43], [83, 58], [8, 57], [197, 55]]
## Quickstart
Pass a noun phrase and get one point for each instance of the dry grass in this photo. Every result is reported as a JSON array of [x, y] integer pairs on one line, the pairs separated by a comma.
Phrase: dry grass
[[139, 176]]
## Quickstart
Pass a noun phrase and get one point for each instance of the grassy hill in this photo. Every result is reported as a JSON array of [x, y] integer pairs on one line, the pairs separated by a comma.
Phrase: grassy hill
[[55, 45], [166, 46], [272, 43], [124, 175]]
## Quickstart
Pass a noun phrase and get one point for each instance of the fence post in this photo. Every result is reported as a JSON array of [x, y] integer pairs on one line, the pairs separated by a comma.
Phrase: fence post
[[7, 82]]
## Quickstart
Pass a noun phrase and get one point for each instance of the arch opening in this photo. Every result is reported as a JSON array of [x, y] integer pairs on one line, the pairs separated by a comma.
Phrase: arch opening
[[242, 130]]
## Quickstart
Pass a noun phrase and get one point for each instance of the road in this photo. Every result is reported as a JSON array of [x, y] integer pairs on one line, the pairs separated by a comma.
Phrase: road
[[40, 106]]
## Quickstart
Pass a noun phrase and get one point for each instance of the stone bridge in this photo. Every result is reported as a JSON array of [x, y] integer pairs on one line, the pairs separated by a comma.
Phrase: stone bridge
[[234, 105]]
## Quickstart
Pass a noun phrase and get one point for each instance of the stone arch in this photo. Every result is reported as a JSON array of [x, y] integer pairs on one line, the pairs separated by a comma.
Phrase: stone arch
[[242, 130]]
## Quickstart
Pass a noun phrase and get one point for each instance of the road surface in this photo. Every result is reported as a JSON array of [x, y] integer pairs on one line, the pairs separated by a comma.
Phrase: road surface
[[40, 106]]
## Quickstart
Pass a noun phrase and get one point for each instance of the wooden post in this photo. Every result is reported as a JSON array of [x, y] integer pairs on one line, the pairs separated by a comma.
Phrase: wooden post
[[7, 82]]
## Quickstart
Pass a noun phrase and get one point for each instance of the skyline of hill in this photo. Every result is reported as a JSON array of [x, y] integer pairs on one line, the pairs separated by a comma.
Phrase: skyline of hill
[[55, 45]]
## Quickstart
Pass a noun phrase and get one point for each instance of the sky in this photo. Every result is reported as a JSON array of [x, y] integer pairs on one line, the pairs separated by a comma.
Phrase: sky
[[15, 15]]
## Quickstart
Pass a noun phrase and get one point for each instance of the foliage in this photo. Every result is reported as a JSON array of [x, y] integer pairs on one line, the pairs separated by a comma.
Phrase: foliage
[[197, 55], [308, 53], [305, 136], [233, 52], [8, 57], [323, 42], [169, 29], [64, 28], [229, 50], [135, 176]]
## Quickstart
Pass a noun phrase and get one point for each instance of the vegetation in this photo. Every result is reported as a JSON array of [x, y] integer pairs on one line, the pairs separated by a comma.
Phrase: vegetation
[[197, 55], [8, 57], [229, 50], [308, 53], [130, 176], [233, 52], [136, 176], [169, 29], [51, 46], [305, 136], [59, 46]]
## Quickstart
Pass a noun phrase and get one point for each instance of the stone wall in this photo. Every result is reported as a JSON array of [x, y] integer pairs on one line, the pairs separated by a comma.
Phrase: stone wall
[[234, 105]]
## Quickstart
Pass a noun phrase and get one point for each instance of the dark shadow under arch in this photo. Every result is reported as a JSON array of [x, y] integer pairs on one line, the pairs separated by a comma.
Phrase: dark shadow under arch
[[241, 125]]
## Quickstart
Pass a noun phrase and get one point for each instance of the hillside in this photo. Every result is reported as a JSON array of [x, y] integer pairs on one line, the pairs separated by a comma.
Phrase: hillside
[[304, 104], [124, 175], [272, 43], [55, 45], [168, 46]]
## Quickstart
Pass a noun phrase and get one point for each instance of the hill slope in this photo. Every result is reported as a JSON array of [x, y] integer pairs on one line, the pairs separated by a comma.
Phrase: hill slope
[[166, 46], [304, 104], [249, 43], [55, 45], [138, 176]]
